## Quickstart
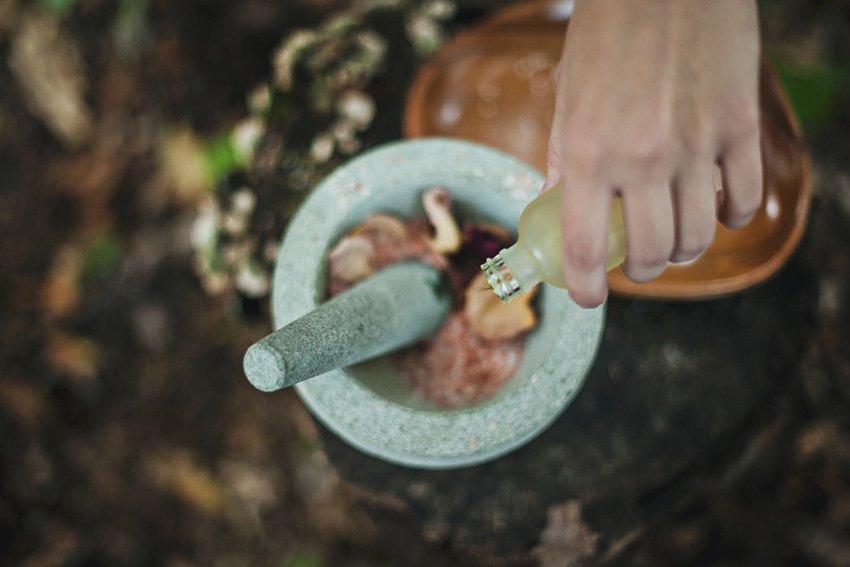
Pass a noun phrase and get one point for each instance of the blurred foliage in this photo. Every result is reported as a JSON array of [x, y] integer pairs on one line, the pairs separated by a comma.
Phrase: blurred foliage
[[129, 27], [222, 157], [304, 559], [57, 8], [815, 89], [99, 258]]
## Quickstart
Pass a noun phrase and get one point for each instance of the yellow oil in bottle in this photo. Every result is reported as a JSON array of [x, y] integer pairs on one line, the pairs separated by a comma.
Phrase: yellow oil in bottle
[[536, 256]]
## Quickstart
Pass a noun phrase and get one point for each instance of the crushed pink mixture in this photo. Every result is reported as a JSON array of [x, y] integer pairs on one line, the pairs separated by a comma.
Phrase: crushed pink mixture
[[455, 367]]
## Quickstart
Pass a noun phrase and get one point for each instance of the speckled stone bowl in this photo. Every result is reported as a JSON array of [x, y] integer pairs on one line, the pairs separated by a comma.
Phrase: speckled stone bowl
[[370, 405]]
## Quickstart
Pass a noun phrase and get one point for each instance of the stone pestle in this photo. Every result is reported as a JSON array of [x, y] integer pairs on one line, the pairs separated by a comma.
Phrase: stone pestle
[[393, 308]]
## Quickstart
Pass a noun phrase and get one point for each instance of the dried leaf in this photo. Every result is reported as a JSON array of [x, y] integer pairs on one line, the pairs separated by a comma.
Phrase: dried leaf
[[49, 69], [178, 473], [566, 541], [255, 488], [382, 224], [73, 266], [185, 165], [77, 357], [822, 438], [61, 292], [490, 318], [22, 400], [352, 259]]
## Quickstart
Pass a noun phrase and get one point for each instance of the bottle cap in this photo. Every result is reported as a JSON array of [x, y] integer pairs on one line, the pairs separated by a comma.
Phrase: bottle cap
[[500, 278]]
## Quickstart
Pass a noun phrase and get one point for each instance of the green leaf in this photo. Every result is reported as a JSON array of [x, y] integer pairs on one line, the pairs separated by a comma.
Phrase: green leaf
[[222, 158], [814, 89]]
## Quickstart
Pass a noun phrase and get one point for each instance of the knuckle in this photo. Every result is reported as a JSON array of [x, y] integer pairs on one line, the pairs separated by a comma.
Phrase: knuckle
[[697, 140], [586, 143], [652, 151], [743, 121], [588, 153]]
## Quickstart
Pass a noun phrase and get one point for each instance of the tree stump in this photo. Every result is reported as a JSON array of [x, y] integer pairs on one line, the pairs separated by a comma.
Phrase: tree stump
[[674, 395]]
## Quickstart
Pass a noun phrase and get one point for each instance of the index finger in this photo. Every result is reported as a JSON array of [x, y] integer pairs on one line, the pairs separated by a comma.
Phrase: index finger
[[585, 210]]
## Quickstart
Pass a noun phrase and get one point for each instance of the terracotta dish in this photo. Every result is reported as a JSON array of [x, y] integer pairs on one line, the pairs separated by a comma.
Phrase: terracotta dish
[[493, 84]]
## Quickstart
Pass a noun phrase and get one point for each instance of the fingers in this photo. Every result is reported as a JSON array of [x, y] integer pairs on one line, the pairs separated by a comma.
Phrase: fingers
[[648, 215], [585, 208], [694, 207], [742, 182]]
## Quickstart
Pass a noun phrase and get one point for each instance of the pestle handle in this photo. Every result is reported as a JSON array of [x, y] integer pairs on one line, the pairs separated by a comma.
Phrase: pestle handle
[[393, 308]]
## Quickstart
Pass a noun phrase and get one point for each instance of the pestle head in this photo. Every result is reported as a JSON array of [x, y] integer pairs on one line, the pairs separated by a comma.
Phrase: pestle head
[[390, 309], [265, 368]]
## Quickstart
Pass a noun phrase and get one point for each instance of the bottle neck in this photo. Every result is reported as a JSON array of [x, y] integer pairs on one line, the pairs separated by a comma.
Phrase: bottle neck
[[512, 271]]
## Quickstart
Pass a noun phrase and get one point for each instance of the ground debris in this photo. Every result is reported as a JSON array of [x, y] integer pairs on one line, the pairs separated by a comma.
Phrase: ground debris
[[566, 541], [50, 71]]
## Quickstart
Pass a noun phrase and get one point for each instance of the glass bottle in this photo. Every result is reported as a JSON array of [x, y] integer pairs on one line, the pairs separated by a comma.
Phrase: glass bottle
[[536, 256]]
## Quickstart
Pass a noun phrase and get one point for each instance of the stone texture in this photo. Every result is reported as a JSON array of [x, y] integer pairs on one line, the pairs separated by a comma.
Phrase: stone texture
[[393, 308]]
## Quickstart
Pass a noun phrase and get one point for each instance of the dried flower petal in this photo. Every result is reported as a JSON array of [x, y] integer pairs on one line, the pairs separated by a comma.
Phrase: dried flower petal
[[48, 67], [243, 202], [356, 107], [492, 319], [352, 259], [260, 100], [286, 56], [382, 224], [245, 136], [447, 236], [486, 240], [323, 148], [252, 280]]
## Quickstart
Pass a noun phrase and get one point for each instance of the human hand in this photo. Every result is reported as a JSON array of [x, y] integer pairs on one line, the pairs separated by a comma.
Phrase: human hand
[[653, 96]]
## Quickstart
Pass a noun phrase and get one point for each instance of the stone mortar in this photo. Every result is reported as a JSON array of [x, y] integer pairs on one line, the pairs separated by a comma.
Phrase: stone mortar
[[370, 405]]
